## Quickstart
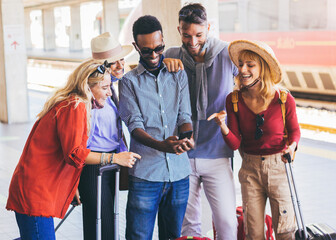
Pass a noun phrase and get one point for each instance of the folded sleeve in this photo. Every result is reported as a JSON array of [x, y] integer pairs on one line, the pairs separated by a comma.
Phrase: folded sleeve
[[72, 133], [128, 106], [184, 113]]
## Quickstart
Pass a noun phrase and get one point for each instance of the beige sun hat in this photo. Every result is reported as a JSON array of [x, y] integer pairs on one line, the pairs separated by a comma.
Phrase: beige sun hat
[[106, 47], [260, 48]]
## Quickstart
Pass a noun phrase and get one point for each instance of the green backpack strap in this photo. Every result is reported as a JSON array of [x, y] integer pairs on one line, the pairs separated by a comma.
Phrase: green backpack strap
[[234, 99]]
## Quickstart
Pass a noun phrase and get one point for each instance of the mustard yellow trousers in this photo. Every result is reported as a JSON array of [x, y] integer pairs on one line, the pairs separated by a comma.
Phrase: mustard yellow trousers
[[263, 177]]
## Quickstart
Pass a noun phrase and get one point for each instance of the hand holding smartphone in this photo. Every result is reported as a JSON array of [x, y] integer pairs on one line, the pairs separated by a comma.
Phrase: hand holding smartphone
[[186, 134]]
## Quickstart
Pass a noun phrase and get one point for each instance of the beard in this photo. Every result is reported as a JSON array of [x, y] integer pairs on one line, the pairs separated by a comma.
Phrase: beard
[[193, 53]]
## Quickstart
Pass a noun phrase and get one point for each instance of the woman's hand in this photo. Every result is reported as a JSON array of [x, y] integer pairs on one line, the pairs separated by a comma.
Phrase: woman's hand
[[126, 159], [290, 150], [220, 120], [77, 199], [218, 117], [173, 64]]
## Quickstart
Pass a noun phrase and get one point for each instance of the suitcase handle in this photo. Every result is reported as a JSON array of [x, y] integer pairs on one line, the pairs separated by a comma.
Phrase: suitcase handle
[[101, 170], [300, 223], [109, 167]]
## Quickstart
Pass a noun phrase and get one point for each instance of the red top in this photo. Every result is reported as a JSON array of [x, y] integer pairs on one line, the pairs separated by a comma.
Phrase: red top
[[242, 126], [46, 177]]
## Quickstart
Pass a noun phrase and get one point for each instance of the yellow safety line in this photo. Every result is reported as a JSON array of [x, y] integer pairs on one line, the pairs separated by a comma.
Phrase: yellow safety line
[[318, 128], [318, 152]]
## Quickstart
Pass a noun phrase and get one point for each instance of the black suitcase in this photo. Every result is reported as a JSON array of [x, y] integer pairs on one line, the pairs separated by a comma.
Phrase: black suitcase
[[318, 231], [116, 168]]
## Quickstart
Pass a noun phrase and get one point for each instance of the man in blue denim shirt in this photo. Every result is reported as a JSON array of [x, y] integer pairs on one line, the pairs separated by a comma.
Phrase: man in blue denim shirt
[[154, 104]]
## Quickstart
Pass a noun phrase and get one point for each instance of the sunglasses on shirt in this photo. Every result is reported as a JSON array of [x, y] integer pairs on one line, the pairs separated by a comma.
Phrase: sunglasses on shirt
[[259, 122]]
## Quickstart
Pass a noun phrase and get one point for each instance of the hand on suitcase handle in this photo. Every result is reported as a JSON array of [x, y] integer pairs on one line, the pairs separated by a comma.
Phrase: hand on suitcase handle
[[126, 159], [287, 156], [288, 153]]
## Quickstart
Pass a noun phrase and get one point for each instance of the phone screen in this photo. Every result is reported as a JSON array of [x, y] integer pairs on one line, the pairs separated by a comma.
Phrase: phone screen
[[186, 134]]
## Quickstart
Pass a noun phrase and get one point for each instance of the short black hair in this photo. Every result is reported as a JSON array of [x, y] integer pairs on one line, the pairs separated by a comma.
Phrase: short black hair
[[193, 13], [145, 25]]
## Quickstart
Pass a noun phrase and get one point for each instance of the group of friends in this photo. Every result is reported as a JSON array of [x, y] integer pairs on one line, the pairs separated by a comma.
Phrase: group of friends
[[182, 89]]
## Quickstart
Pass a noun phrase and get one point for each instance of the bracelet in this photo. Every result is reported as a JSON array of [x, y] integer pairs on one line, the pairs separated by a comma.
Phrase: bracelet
[[106, 159], [111, 158], [102, 156]]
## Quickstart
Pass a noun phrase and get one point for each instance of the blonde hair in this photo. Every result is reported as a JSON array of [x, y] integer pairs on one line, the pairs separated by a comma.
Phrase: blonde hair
[[78, 86], [266, 77]]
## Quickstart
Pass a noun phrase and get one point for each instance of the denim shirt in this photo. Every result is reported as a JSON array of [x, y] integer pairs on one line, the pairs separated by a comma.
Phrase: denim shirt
[[158, 105]]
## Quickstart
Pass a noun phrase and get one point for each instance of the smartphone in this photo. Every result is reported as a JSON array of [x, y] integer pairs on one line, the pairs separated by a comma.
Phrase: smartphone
[[186, 134]]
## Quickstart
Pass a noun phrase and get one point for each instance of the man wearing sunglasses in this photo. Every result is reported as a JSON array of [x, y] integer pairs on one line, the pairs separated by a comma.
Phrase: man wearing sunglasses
[[210, 74], [155, 106]]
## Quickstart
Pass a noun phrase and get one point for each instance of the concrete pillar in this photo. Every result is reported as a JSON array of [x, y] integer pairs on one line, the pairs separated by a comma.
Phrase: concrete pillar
[[75, 29], [242, 15], [331, 19], [167, 13], [27, 29], [13, 63], [111, 17], [49, 36], [283, 15]]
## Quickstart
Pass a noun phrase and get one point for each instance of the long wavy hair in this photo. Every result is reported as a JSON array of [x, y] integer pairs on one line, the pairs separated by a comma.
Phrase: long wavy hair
[[77, 88], [266, 77]]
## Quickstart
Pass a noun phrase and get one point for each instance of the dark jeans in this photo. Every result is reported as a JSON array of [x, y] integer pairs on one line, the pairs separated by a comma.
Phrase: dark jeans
[[88, 193], [146, 198], [35, 228]]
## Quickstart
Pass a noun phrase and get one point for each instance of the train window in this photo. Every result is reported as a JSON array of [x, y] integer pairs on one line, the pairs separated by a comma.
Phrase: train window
[[308, 14], [293, 79], [309, 78], [327, 81], [262, 15], [228, 17]]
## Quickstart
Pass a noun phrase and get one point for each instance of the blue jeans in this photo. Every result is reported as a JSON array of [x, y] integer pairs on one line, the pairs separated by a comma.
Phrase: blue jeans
[[146, 198], [35, 228]]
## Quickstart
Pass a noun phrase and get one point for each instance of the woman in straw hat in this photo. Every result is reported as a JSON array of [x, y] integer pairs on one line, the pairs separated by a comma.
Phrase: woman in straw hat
[[255, 125], [106, 136], [47, 175]]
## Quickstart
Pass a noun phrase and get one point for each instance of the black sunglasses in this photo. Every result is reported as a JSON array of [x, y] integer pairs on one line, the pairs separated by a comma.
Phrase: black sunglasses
[[259, 122], [149, 51], [101, 69], [108, 65]]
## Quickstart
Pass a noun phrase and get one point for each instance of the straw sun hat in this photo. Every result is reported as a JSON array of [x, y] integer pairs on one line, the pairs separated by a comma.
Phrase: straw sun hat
[[260, 48], [106, 47]]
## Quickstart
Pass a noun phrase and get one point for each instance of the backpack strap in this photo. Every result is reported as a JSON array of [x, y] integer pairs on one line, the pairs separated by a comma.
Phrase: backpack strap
[[283, 99], [234, 99]]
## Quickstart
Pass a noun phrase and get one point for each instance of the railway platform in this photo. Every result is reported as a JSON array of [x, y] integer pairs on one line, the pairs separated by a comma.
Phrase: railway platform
[[314, 166]]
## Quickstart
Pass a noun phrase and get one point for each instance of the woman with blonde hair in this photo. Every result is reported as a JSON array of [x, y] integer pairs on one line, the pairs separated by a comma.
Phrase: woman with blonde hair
[[255, 125], [47, 175]]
